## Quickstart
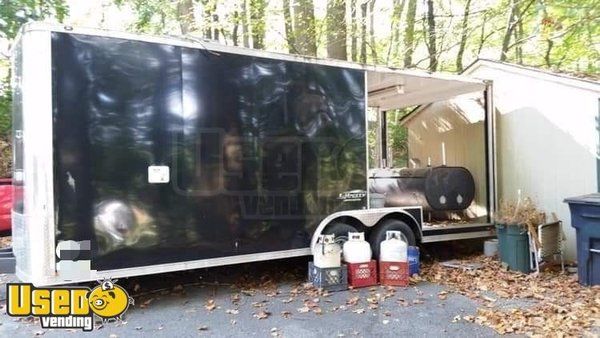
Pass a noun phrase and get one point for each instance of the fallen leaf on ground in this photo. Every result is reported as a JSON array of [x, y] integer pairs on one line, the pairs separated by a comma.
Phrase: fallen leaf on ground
[[146, 303], [304, 309], [352, 301], [249, 293], [210, 305], [560, 306], [262, 315], [489, 299], [259, 304]]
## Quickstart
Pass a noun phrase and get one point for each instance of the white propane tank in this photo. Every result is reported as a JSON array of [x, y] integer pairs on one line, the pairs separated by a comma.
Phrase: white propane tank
[[327, 252], [356, 249], [393, 249]]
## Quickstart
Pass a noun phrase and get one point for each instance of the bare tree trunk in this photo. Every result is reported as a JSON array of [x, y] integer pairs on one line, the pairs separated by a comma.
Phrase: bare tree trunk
[[208, 7], [363, 32], [514, 27], [547, 59], [518, 37], [185, 15], [215, 25], [245, 24], [432, 45], [512, 18], [372, 31], [304, 30], [409, 33], [257, 20], [463, 37], [482, 35], [336, 29], [289, 27], [549, 42], [395, 29], [354, 31], [236, 27]]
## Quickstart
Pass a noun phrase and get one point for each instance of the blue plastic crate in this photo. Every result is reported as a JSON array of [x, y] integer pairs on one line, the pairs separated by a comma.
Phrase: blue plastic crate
[[330, 279]]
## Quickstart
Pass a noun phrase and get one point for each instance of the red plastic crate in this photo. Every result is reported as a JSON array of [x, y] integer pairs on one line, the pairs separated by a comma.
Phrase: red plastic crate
[[393, 273], [362, 274]]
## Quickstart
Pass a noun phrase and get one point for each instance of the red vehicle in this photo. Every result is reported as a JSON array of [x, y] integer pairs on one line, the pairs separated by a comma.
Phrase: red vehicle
[[5, 204]]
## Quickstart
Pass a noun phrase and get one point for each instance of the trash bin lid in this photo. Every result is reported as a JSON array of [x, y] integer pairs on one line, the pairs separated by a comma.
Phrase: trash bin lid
[[591, 199]]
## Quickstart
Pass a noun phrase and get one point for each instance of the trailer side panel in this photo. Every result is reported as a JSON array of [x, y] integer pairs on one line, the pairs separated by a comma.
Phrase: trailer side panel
[[258, 150]]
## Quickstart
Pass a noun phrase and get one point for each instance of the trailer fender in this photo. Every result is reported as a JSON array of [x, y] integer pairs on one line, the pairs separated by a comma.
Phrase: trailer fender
[[368, 218]]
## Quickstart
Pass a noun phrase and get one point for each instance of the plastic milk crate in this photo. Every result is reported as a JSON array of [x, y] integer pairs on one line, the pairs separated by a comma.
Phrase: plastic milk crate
[[393, 273], [362, 274], [330, 279]]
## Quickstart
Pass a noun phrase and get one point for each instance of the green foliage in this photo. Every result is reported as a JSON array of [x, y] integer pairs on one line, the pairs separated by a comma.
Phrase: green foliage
[[15, 13], [5, 108], [152, 16], [397, 137], [555, 34]]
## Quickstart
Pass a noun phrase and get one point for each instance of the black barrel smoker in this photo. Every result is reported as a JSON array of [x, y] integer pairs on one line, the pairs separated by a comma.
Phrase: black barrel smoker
[[438, 189]]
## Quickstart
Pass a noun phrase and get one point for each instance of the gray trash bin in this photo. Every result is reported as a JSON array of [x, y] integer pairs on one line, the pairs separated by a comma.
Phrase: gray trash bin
[[585, 218]]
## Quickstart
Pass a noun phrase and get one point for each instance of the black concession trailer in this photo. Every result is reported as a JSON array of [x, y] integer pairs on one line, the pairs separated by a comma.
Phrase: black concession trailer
[[138, 154]]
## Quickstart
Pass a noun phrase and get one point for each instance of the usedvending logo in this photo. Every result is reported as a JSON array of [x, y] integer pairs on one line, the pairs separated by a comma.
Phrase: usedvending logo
[[354, 195], [68, 307]]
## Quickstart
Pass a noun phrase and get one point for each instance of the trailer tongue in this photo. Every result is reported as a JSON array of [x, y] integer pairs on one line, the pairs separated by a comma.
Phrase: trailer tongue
[[137, 155]]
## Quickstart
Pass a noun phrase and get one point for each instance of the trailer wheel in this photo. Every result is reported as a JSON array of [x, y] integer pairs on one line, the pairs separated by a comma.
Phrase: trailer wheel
[[340, 230], [378, 234]]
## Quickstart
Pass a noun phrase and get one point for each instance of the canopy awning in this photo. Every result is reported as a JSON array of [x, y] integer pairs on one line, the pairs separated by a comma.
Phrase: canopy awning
[[392, 88]]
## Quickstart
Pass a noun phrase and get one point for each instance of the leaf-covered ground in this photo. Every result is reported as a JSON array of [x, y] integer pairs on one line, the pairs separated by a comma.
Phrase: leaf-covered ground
[[272, 299], [562, 307]]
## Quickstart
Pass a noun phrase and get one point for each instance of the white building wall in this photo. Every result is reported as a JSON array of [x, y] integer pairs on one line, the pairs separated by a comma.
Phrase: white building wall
[[547, 138]]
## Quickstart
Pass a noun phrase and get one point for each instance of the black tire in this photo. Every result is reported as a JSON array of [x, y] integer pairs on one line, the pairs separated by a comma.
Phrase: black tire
[[340, 230], [378, 234]]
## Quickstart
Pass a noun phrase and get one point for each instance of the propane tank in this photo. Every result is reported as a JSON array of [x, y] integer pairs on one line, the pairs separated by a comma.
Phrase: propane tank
[[356, 249], [327, 252], [413, 260], [393, 249]]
